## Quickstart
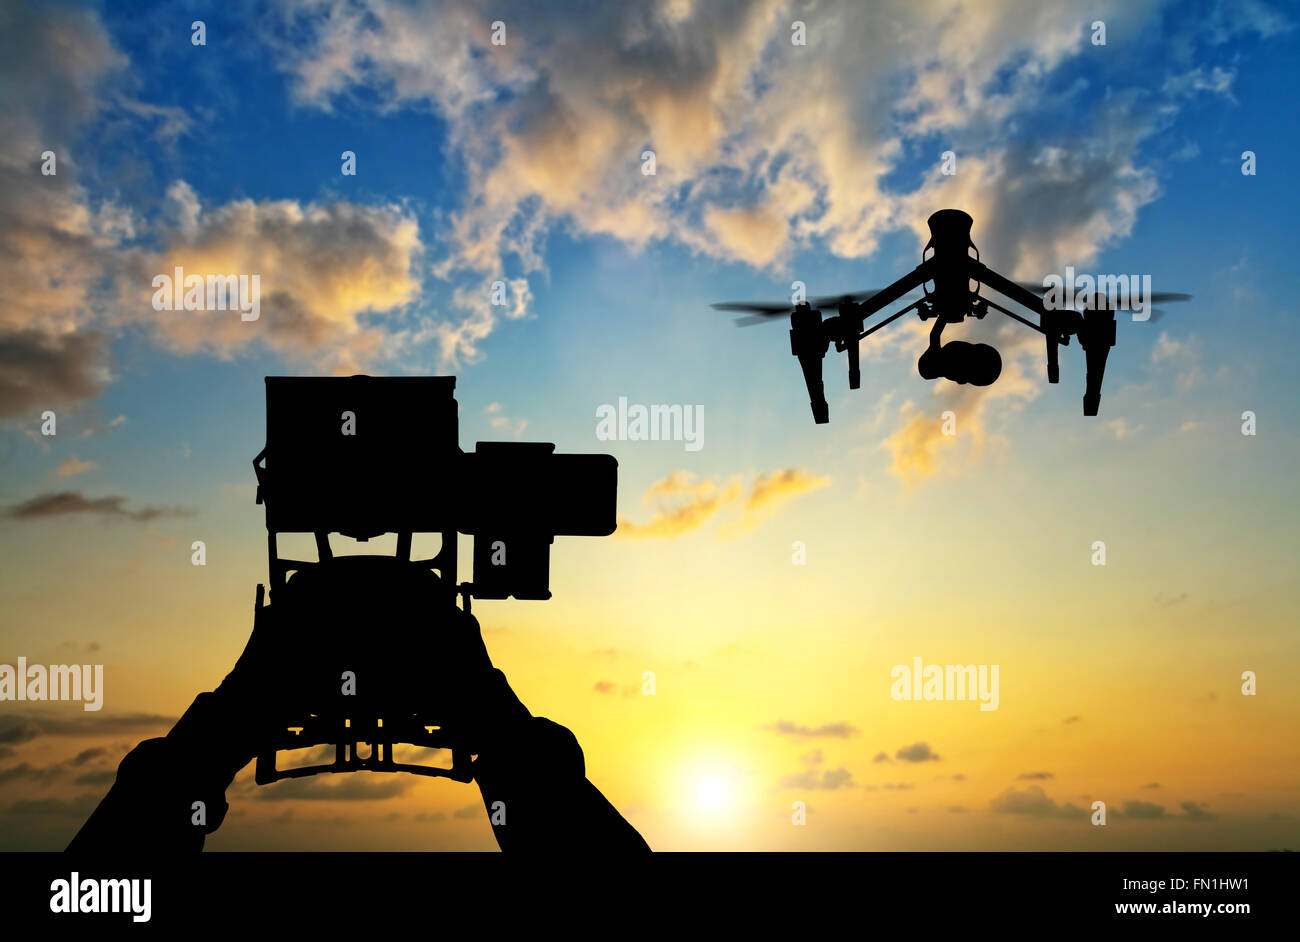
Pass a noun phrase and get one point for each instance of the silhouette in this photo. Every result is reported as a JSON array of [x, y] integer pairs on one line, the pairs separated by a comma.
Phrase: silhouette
[[951, 269], [371, 651]]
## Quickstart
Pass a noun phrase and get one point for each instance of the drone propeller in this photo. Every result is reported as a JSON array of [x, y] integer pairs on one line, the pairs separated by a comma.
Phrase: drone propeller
[[753, 319], [835, 300], [764, 312], [765, 308], [1156, 297]]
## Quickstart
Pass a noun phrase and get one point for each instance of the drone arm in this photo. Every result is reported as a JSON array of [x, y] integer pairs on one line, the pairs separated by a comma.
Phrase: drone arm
[[887, 321], [1012, 314], [1022, 296], [887, 296]]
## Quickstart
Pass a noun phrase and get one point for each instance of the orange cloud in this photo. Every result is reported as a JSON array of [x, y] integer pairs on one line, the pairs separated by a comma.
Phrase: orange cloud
[[919, 446], [699, 502], [321, 267], [696, 503], [74, 466]]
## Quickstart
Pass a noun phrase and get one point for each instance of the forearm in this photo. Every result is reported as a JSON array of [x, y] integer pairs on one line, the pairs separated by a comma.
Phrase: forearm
[[538, 798], [170, 792]]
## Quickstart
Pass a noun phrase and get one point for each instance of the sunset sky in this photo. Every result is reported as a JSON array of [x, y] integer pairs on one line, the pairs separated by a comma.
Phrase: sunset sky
[[774, 163]]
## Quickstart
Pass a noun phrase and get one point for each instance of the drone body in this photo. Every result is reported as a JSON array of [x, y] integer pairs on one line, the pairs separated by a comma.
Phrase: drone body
[[951, 265]]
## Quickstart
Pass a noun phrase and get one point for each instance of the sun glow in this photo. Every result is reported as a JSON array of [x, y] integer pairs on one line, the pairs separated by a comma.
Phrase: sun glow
[[712, 794]]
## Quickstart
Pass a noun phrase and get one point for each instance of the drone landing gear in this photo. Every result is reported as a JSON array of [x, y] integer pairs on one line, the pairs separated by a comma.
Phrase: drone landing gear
[[809, 343], [1096, 336]]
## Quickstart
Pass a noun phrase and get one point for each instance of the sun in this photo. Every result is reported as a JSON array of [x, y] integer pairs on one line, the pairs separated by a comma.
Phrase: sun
[[713, 793]]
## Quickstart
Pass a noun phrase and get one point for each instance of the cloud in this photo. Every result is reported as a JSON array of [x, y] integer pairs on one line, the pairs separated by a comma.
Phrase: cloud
[[1182, 357], [753, 234], [1032, 802], [39, 371], [55, 241], [352, 787], [78, 808], [695, 504], [832, 730], [74, 466], [469, 812], [1142, 809], [828, 779], [27, 772], [321, 265], [99, 777], [1149, 811], [1195, 811], [769, 493], [727, 104], [1215, 81], [67, 503], [762, 149], [686, 504], [1122, 430], [24, 727], [502, 422], [78, 267], [605, 686], [87, 755], [917, 752], [927, 441], [1032, 776]]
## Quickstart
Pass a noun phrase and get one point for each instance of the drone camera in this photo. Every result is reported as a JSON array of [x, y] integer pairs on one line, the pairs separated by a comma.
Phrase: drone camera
[[975, 363]]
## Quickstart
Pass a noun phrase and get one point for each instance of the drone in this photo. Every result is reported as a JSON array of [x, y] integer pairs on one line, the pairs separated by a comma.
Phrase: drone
[[956, 275]]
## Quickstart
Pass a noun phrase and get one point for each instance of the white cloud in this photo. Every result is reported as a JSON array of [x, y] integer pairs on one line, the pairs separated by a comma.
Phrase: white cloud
[[761, 146]]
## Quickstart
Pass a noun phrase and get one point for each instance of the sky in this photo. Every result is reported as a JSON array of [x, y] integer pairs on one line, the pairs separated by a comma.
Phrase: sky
[[771, 580]]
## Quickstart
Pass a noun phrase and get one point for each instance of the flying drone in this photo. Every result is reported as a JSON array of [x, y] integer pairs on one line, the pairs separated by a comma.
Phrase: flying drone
[[956, 275]]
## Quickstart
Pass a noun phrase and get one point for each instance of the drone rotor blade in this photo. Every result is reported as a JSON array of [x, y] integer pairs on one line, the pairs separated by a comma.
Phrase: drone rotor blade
[[754, 320], [1157, 297], [767, 308], [835, 300]]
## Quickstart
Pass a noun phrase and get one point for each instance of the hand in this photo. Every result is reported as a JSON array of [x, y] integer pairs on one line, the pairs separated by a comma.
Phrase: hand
[[386, 629]]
